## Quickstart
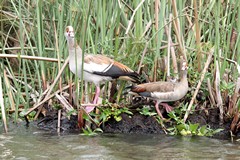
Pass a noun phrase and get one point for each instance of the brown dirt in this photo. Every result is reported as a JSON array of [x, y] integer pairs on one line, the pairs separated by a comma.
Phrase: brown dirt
[[134, 124], [143, 124]]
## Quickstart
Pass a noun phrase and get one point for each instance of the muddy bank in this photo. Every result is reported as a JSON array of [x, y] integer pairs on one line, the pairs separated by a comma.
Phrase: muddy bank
[[145, 124], [140, 124]]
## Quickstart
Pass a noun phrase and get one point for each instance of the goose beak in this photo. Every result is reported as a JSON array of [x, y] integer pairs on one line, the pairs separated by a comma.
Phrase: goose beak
[[184, 66], [69, 32]]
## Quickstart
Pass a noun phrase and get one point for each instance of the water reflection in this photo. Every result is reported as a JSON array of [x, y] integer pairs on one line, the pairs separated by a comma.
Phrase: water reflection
[[30, 143]]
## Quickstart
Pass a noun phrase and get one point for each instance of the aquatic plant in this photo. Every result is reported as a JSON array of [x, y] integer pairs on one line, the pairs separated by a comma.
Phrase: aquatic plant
[[112, 111], [190, 129], [146, 111]]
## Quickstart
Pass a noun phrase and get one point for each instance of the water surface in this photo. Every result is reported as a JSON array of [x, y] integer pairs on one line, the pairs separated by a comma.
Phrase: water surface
[[30, 143]]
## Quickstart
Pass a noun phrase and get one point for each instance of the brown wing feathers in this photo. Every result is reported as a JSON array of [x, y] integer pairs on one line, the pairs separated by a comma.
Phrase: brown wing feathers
[[122, 66], [138, 89], [99, 59], [147, 88]]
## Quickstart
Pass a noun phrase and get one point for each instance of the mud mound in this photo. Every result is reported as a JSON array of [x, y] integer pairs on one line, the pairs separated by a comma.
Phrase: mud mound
[[50, 123], [134, 124], [140, 124]]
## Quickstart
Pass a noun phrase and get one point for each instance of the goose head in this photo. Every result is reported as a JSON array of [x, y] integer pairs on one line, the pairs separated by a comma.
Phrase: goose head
[[183, 70], [69, 34], [184, 66]]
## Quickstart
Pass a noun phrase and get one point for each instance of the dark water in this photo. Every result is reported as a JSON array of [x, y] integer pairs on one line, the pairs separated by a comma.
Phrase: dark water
[[30, 143]]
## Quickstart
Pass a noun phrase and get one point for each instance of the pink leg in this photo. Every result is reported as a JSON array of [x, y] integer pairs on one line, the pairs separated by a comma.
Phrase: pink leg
[[96, 95], [91, 108], [167, 107], [158, 110]]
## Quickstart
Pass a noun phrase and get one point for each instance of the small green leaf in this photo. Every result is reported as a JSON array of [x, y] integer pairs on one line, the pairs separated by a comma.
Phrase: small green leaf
[[193, 127], [203, 130], [118, 118], [128, 112], [32, 114], [98, 130], [217, 130], [181, 127], [22, 113], [183, 132]]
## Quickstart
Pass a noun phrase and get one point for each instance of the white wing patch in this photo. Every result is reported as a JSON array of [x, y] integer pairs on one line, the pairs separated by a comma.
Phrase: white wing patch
[[164, 96], [94, 67]]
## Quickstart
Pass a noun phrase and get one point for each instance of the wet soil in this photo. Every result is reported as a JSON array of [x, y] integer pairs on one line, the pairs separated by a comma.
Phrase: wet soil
[[145, 124], [140, 124]]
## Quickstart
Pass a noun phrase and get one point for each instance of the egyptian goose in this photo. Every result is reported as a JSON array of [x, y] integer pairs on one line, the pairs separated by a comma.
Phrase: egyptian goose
[[164, 91], [97, 68]]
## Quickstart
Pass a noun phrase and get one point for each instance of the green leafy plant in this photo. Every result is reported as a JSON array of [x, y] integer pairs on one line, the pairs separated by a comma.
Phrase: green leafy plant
[[146, 111], [71, 112], [224, 86], [114, 112], [189, 129], [30, 116]]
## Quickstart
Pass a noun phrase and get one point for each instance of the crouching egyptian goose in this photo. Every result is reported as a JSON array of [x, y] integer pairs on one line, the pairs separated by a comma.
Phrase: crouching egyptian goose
[[164, 91], [97, 68]]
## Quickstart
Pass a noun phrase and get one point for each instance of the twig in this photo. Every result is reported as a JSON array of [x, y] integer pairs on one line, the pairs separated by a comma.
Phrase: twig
[[9, 91], [143, 55], [212, 100], [91, 119], [218, 93], [235, 121], [59, 121], [46, 99], [168, 32], [170, 46], [176, 25], [175, 13], [29, 57], [236, 94], [53, 84], [90, 104], [146, 28], [191, 25], [3, 107], [222, 58], [198, 35], [134, 12], [87, 99], [25, 48], [199, 84], [65, 103], [129, 7], [57, 51]]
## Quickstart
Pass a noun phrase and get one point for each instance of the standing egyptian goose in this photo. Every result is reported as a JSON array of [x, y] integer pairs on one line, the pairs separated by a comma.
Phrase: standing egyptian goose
[[164, 91], [97, 68]]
